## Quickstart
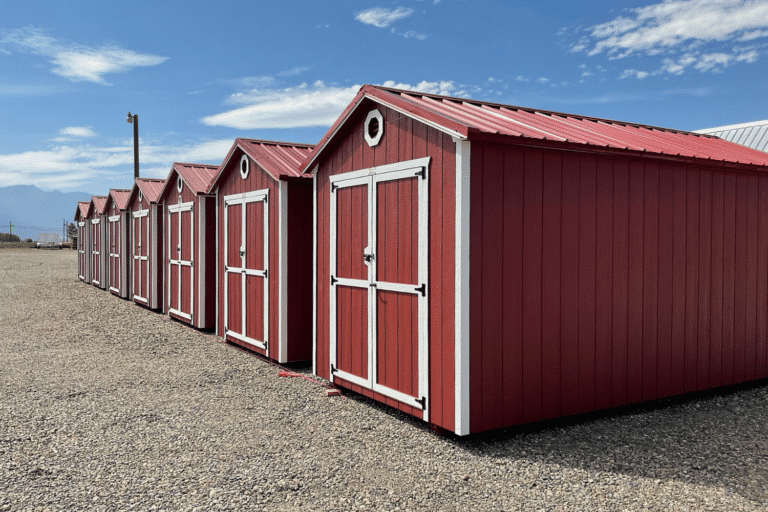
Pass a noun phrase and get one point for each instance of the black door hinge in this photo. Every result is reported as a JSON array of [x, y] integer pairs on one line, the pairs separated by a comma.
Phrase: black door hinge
[[266, 274], [422, 173], [334, 187], [422, 289], [423, 403], [333, 280], [334, 369]]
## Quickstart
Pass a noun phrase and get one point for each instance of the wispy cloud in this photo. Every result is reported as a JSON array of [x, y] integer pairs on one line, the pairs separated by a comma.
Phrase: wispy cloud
[[382, 17], [78, 131], [705, 34], [409, 34], [294, 71], [305, 105], [293, 107], [72, 167], [77, 62]]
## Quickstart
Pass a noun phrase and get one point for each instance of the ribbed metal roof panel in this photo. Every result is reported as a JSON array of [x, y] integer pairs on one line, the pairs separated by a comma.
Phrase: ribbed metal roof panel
[[82, 209], [277, 158], [464, 118], [98, 203], [540, 124], [753, 135], [120, 197], [197, 177], [151, 187]]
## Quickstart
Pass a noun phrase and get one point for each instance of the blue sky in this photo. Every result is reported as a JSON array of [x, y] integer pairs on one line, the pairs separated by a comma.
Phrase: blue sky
[[199, 74]]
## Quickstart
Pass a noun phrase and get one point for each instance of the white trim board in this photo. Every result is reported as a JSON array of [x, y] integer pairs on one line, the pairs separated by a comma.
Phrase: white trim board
[[461, 343]]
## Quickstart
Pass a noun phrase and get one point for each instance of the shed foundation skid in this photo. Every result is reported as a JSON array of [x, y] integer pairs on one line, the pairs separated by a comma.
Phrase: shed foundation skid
[[264, 269], [481, 266]]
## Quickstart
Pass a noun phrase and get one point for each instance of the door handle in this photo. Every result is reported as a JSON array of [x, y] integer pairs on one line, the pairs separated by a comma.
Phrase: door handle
[[368, 257]]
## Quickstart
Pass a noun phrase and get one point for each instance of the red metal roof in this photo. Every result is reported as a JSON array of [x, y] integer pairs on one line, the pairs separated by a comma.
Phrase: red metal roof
[[120, 197], [98, 202], [465, 119], [198, 177], [82, 209], [280, 159]]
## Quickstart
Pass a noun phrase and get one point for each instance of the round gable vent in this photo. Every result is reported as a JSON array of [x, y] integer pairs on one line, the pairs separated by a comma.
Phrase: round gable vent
[[245, 166], [374, 127], [179, 184]]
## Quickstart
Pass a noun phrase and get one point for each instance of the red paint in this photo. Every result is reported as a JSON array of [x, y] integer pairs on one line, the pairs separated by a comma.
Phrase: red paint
[[597, 278], [270, 164], [146, 242]]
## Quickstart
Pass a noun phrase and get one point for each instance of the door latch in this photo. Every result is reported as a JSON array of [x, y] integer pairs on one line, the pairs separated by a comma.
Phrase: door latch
[[368, 257]]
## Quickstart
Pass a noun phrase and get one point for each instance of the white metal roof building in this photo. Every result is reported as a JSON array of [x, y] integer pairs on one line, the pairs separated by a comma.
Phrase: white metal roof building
[[753, 135]]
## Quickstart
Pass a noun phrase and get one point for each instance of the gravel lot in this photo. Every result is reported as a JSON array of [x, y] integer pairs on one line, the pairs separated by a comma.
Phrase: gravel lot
[[107, 406]]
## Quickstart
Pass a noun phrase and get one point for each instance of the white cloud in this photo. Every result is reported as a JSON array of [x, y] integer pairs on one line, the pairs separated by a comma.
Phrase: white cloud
[[633, 72], [78, 131], [382, 17], [542, 80], [521, 78], [306, 105], [294, 71], [410, 34], [72, 167], [77, 62], [292, 107], [678, 25]]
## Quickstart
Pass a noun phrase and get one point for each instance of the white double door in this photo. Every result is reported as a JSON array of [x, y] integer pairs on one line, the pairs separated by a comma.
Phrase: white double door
[[181, 236], [378, 293], [246, 267]]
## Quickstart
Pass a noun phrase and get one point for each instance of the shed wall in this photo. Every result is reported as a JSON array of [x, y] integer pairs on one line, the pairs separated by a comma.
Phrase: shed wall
[[598, 281], [258, 179], [403, 139], [299, 261]]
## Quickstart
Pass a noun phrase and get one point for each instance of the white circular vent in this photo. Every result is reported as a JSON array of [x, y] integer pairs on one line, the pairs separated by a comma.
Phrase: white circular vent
[[245, 166], [373, 127], [179, 184]]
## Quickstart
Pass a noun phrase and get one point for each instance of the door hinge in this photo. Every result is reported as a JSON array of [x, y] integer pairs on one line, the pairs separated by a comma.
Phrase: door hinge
[[422, 173], [423, 403], [334, 369], [422, 289], [266, 274], [333, 280], [334, 187]]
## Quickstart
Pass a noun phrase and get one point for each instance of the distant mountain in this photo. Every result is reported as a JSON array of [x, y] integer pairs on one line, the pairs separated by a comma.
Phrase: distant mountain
[[33, 211]]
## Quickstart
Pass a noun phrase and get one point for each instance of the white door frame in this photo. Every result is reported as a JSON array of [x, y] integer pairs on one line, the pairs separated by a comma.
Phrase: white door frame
[[179, 209], [243, 199], [114, 255], [370, 177], [96, 251], [82, 243], [136, 234]]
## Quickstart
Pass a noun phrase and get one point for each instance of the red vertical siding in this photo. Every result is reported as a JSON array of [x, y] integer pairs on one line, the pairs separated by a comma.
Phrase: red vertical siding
[[623, 280], [299, 271]]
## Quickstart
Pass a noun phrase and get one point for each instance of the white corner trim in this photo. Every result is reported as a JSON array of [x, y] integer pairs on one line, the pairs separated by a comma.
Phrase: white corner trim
[[282, 293], [461, 357], [314, 270]]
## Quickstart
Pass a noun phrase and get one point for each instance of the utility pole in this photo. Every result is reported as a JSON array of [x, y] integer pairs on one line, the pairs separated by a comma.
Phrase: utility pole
[[134, 119]]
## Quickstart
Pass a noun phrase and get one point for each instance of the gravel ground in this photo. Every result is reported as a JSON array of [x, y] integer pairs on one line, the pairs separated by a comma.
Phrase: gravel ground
[[107, 406]]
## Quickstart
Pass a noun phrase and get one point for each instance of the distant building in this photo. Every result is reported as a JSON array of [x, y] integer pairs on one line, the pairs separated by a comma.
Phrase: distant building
[[753, 135]]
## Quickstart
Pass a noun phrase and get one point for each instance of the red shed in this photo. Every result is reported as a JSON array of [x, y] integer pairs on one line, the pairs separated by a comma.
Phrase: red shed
[[264, 273], [118, 223], [83, 244], [146, 249], [97, 237], [482, 265], [190, 252]]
